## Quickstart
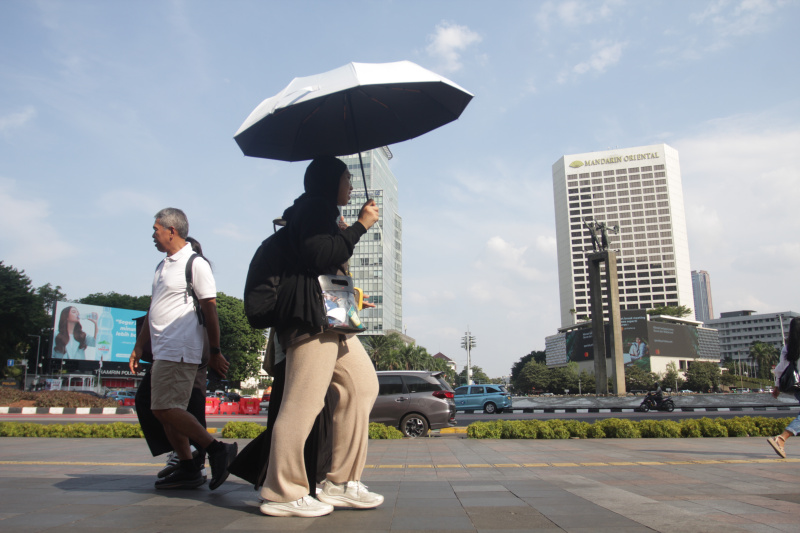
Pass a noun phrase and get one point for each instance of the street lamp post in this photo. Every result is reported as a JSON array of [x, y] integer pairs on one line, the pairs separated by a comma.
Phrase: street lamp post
[[468, 343], [783, 336], [38, 345]]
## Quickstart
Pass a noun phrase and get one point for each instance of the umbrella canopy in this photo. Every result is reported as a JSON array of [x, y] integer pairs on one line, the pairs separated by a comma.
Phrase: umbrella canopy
[[351, 109]]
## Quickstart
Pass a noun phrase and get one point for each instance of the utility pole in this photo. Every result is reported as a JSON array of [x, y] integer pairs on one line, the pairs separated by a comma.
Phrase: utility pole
[[468, 343]]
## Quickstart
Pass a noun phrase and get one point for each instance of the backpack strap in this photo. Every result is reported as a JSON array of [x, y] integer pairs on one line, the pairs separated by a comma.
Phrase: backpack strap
[[190, 289]]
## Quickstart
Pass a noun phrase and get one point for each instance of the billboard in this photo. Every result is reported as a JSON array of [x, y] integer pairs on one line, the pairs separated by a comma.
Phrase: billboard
[[641, 340], [635, 339], [84, 332], [674, 340]]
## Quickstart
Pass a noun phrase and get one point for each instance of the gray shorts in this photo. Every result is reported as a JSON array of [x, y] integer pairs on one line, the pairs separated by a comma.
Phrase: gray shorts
[[171, 384]]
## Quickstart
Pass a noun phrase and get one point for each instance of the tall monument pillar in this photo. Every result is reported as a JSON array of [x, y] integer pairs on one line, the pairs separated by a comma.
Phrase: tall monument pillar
[[609, 259]]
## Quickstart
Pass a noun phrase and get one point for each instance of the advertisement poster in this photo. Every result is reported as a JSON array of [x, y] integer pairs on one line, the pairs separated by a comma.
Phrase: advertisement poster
[[84, 332], [635, 339], [674, 340], [580, 345]]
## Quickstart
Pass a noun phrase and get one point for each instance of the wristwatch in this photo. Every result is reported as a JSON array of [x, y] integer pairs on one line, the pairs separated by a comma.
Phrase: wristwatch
[[215, 350]]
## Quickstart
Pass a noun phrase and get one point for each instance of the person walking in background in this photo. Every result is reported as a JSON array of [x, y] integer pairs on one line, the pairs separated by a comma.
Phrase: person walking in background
[[318, 360], [789, 356], [176, 332]]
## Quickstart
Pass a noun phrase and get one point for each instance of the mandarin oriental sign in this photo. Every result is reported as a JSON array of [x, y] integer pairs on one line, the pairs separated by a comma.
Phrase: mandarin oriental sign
[[615, 159]]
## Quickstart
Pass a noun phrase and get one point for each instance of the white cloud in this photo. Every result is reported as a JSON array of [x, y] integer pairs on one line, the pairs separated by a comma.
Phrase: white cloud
[[448, 42], [604, 55], [740, 180], [574, 13], [28, 238], [17, 120], [731, 20]]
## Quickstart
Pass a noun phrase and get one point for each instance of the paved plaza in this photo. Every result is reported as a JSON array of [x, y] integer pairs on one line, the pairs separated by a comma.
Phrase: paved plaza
[[443, 483]]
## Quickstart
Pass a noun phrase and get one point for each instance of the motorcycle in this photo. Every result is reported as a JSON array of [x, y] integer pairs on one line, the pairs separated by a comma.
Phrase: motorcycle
[[650, 402]]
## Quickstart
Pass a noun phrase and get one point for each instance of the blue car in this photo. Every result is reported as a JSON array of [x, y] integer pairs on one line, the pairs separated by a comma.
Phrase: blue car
[[489, 397]]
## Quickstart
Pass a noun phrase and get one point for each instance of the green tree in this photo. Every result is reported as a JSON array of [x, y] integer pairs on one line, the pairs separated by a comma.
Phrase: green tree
[[672, 377], [21, 314], [239, 342], [703, 376], [516, 368], [478, 376], [587, 382], [669, 310], [638, 379], [765, 356], [564, 378], [534, 377], [50, 296], [120, 301], [383, 350]]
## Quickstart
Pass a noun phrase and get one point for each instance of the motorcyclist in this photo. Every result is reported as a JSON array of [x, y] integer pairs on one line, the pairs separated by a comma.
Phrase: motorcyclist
[[656, 395]]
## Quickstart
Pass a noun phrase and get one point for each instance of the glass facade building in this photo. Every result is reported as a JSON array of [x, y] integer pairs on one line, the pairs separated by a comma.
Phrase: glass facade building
[[377, 262], [638, 190], [701, 287]]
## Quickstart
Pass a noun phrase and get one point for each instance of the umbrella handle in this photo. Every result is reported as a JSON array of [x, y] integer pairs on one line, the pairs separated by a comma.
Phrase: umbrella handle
[[363, 176]]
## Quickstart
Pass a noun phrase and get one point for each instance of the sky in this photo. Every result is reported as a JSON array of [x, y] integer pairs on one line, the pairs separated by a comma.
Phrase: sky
[[110, 111]]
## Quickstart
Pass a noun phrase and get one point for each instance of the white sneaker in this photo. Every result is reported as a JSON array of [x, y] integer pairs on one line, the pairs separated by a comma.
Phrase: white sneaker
[[350, 494], [306, 507]]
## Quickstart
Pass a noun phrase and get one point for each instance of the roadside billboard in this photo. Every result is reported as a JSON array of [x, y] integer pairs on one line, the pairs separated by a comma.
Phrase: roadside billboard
[[84, 332], [635, 339]]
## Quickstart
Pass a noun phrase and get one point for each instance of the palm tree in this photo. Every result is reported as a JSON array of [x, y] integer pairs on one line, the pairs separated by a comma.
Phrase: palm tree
[[765, 356]]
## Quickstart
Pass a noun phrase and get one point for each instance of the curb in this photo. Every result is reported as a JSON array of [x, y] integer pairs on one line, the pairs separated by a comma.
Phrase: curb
[[633, 409], [67, 410]]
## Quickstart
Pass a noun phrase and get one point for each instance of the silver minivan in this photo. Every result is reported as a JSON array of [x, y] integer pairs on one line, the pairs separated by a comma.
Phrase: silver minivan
[[414, 401]]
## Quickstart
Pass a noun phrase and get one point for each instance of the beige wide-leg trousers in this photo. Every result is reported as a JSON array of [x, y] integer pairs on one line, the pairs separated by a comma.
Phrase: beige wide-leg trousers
[[312, 367]]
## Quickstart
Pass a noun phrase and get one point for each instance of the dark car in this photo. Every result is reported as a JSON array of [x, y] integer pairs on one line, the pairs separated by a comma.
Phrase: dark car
[[414, 401], [489, 397]]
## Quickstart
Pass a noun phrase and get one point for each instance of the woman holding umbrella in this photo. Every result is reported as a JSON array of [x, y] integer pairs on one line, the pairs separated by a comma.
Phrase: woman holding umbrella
[[318, 359]]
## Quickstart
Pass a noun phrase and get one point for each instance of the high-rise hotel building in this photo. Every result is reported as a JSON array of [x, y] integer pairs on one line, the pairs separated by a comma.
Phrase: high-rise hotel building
[[639, 190], [377, 261]]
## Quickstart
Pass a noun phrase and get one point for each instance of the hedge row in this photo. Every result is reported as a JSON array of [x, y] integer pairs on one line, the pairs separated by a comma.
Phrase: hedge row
[[118, 430], [620, 428], [232, 430], [251, 430], [612, 428]]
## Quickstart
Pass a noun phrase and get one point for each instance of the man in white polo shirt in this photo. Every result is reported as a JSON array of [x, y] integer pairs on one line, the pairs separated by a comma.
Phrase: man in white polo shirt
[[176, 333]]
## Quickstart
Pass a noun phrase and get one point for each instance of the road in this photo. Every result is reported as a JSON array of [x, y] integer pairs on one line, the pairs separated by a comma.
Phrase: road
[[463, 419]]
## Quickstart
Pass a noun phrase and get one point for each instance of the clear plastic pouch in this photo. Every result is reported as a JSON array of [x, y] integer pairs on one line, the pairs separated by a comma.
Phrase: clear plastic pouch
[[341, 307]]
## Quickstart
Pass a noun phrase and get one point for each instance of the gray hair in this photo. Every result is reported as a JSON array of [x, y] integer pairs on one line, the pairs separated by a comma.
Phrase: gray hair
[[171, 217]]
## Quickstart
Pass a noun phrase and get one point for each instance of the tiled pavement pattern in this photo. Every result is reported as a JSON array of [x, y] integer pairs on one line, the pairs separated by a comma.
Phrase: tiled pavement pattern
[[435, 484]]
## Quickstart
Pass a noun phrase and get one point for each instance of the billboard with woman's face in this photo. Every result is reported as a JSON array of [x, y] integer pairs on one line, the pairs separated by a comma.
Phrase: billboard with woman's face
[[84, 332]]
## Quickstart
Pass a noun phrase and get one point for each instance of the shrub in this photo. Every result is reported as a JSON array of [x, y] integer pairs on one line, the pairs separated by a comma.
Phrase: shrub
[[704, 427], [741, 426], [616, 428], [380, 431], [712, 428], [242, 430], [768, 427], [558, 429], [577, 428], [690, 428], [659, 429], [594, 431], [485, 430]]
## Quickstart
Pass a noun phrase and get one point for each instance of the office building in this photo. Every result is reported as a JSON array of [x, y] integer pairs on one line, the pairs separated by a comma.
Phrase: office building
[[637, 190], [701, 287], [377, 262], [739, 329]]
